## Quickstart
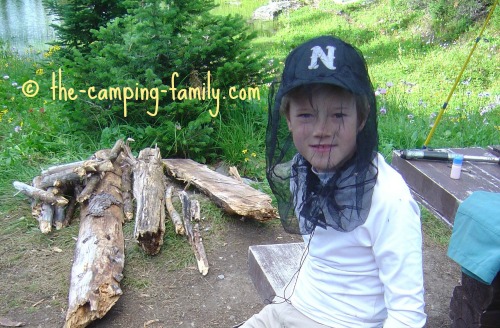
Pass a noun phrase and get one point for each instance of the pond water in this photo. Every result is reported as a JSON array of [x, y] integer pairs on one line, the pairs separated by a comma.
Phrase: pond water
[[25, 25]]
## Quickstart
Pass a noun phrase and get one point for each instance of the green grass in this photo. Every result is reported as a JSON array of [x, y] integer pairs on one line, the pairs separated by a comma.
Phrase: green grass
[[243, 8], [397, 45], [435, 229]]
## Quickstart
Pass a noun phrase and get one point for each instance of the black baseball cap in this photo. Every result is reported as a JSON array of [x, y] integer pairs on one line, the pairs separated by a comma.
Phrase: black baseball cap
[[325, 59]]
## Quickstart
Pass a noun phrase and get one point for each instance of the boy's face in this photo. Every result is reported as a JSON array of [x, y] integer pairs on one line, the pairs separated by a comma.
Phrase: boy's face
[[324, 127]]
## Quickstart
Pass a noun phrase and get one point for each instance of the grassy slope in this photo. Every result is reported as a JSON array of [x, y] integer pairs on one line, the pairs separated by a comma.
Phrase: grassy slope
[[400, 49]]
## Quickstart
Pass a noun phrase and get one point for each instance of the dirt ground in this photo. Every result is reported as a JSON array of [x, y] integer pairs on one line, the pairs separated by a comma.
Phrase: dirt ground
[[34, 274]]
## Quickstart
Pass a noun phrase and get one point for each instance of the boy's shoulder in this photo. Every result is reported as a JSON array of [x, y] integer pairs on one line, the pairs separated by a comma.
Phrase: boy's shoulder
[[389, 181]]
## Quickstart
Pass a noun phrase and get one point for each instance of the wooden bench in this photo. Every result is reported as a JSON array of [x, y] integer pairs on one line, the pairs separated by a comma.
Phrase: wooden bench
[[272, 267], [432, 186]]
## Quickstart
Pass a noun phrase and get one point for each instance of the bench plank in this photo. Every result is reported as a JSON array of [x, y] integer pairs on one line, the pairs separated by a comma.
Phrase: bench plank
[[272, 267]]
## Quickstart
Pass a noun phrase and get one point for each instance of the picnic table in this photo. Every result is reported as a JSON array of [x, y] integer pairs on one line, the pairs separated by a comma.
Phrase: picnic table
[[431, 185]]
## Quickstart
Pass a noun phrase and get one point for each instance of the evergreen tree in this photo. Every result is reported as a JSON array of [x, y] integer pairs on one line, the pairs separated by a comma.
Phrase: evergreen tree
[[158, 41], [79, 17]]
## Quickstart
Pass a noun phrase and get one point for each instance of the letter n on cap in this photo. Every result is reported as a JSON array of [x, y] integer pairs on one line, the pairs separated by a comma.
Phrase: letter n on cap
[[327, 60]]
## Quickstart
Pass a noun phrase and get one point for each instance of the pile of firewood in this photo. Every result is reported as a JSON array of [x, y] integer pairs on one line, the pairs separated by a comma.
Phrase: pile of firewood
[[113, 187]]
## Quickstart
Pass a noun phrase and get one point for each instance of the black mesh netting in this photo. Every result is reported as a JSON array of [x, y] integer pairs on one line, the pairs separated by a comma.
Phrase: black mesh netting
[[339, 197]]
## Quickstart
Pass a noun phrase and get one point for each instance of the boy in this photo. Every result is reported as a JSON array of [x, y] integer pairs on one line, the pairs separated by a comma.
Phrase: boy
[[362, 265]]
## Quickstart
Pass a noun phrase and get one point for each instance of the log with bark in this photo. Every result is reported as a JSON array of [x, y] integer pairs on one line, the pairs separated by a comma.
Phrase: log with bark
[[61, 168], [40, 194], [193, 233], [44, 204], [149, 193], [128, 206], [60, 178], [89, 188], [174, 215], [233, 196], [59, 217], [70, 209], [99, 254]]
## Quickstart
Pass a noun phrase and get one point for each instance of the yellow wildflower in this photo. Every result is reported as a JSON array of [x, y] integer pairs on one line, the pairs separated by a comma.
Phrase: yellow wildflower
[[254, 155], [244, 151], [246, 159], [39, 71]]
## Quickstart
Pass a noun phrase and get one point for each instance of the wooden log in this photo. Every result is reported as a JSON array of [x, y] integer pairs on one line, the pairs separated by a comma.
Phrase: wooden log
[[233, 171], [99, 254], [174, 215], [43, 195], [36, 209], [128, 157], [128, 205], [116, 150], [89, 188], [61, 168], [94, 165], [70, 211], [193, 234], [59, 178], [233, 196], [37, 182], [149, 193], [110, 154], [195, 210], [59, 216], [46, 217]]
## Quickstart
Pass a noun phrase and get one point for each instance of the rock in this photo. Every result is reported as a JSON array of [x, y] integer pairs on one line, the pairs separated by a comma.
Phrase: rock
[[272, 10]]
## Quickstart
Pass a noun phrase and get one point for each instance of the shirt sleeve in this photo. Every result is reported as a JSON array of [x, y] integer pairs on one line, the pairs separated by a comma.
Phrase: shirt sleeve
[[398, 252]]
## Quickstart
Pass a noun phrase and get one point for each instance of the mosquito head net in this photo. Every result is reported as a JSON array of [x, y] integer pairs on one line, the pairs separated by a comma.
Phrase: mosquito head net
[[334, 190]]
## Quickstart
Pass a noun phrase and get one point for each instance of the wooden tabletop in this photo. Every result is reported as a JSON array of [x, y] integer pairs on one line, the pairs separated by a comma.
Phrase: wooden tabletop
[[430, 181]]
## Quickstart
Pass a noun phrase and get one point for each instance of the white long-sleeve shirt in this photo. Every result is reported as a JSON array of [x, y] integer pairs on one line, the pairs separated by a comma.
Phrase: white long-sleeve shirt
[[371, 276]]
